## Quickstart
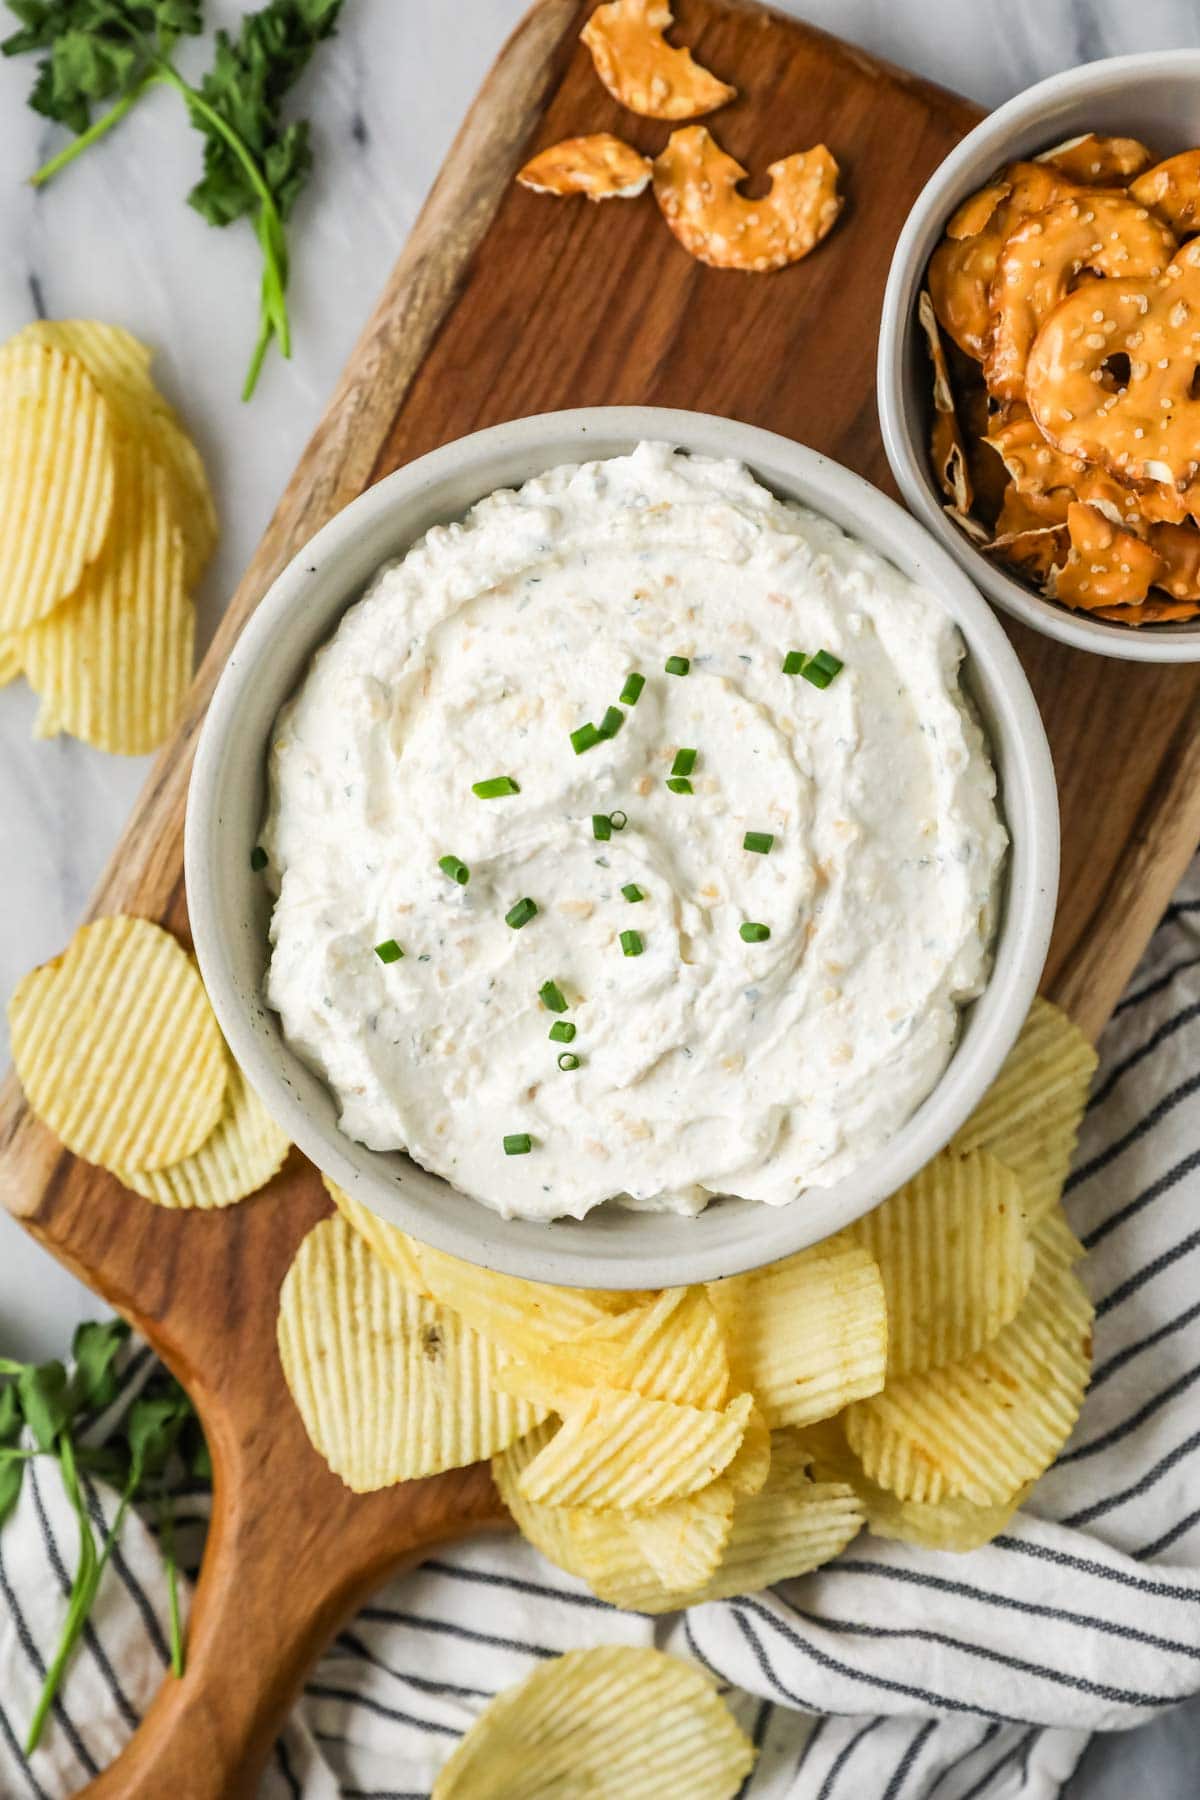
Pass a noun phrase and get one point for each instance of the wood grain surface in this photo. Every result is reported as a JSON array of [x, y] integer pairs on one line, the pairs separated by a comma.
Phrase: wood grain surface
[[505, 303]]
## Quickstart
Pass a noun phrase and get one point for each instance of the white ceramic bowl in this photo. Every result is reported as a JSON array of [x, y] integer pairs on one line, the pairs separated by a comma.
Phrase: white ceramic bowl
[[1155, 97], [230, 906]]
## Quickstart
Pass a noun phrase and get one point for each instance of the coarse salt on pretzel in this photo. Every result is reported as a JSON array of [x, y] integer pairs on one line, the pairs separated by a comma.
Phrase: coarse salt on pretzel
[[641, 70], [1107, 234], [601, 166], [962, 266], [1098, 161], [1141, 420], [1034, 465], [1106, 565], [695, 184], [1172, 190], [946, 442], [1179, 547]]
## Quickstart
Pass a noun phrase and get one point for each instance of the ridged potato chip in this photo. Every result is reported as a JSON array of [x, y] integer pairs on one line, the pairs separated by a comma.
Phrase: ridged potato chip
[[517, 1314], [57, 479], [10, 661], [238, 1157], [120, 366], [983, 1428], [547, 1528], [613, 1723], [807, 1335], [955, 1256], [117, 1049], [113, 664], [390, 1387], [683, 1542], [952, 1524], [393, 1247], [751, 1465], [670, 1348], [617, 1449], [1030, 1115]]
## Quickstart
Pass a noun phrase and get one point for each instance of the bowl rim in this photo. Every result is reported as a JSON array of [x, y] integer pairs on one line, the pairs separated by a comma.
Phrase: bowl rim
[[543, 1251], [953, 179]]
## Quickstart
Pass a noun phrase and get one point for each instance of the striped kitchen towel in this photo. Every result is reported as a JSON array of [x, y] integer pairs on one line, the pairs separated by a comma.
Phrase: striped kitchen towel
[[892, 1675]]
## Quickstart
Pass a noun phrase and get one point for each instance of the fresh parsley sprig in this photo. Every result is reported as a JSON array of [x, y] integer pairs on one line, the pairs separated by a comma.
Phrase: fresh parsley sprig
[[255, 165], [43, 1402]]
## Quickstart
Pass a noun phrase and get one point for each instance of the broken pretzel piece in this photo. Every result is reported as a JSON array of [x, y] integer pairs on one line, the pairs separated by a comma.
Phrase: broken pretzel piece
[[641, 70], [1172, 190], [1098, 161], [695, 184], [1106, 566], [601, 166]]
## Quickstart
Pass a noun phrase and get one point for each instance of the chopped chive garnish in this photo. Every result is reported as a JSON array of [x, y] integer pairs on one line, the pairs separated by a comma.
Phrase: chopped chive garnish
[[631, 943], [677, 665], [495, 787], [759, 841], [567, 1060], [551, 996], [679, 784], [584, 737], [631, 693], [793, 662], [601, 827], [632, 892], [685, 762], [618, 820], [258, 859], [521, 913], [389, 951], [455, 869], [612, 722], [754, 934], [821, 668], [518, 1143], [562, 1031]]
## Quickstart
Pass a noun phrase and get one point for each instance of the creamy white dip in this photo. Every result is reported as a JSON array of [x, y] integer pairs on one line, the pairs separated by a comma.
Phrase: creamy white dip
[[707, 1064]]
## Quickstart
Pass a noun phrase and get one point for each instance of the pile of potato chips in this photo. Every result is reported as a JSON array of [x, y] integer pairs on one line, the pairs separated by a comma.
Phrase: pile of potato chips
[[915, 1373], [118, 1051], [106, 523], [615, 1723]]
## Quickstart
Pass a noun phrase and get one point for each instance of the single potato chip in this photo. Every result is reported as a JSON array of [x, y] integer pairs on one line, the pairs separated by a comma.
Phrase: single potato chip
[[518, 1315], [641, 70], [671, 1348], [240, 1156], [617, 1449], [696, 186], [613, 1723], [984, 1428], [120, 366], [117, 1048], [809, 1334], [113, 664], [390, 1387], [57, 479], [600, 166], [955, 1256], [394, 1248], [1030, 1115]]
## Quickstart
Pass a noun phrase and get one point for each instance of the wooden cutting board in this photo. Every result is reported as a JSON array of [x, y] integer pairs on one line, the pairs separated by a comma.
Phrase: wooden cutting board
[[505, 303]]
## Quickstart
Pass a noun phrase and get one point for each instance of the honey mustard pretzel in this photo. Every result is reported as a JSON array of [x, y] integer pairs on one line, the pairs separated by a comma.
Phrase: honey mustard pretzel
[[1098, 161], [1172, 190], [1106, 566], [963, 265], [696, 186], [600, 165], [641, 70], [1110, 375], [1108, 234]]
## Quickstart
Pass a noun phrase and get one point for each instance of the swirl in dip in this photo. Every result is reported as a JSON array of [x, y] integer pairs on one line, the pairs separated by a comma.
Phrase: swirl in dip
[[707, 1064]]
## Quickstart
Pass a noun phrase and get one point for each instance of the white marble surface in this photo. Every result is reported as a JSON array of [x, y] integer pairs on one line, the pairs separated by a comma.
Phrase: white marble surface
[[113, 239]]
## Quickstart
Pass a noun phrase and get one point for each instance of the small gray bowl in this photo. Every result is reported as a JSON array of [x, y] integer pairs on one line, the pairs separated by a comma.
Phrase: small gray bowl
[[230, 906], [1155, 97]]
